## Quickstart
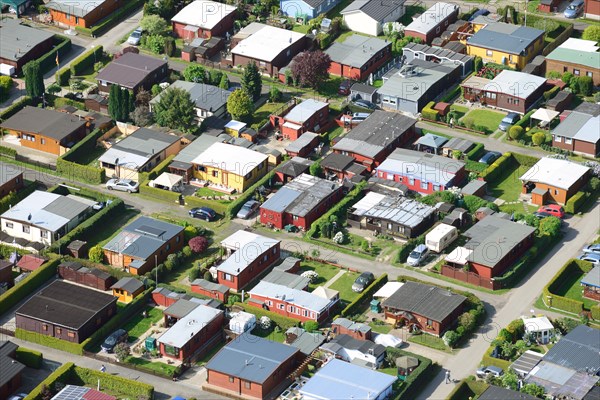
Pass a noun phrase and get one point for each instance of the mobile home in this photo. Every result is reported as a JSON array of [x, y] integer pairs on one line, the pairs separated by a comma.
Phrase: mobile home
[[440, 237]]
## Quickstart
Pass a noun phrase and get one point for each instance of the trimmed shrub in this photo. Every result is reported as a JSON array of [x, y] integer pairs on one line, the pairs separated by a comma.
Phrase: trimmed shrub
[[524, 122], [63, 76], [15, 108], [83, 147], [113, 19], [14, 197], [575, 202], [283, 322], [551, 93], [572, 267], [49, 341], [429, 113], [525, 160], [366, 295], [79, 172], [448, 97], [596, 312], [497, 168], [62, 46], [476, 152], [516, 132], [8, 151], [31, 358], [62, 374], [161, 167], [113, 383]]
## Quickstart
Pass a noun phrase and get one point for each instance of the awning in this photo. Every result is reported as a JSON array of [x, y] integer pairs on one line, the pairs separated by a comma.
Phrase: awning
[[168, 180], [545, 115], [459, 255], [388, 289]]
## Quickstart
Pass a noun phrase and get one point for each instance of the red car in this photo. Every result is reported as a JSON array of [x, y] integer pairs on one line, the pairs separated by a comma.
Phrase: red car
[[553, 209]]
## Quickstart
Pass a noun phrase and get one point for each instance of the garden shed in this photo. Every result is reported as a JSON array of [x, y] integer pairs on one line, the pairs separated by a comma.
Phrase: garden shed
[[406, 365]]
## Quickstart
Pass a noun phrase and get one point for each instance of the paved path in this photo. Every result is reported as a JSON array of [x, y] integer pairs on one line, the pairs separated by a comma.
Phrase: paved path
[[335, 278]]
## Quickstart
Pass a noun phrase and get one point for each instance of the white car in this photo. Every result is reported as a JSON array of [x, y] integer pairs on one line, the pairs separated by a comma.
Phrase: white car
[[124, 185], [135, 37]]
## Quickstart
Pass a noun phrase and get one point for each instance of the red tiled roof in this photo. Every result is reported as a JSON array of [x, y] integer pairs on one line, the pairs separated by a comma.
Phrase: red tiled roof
[[96, 395], [30, 262]]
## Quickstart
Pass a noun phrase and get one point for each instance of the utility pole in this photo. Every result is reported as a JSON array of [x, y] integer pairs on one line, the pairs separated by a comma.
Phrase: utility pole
[[156, 267]]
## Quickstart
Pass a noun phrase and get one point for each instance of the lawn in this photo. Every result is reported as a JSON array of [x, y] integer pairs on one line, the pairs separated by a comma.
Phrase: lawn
[[460, 110], [159, 367], [344, 286], [301, 28], [570, 287], [110, 229], [345, 34], [486, 118], [263, 112], [326, 272], [430, 341], [508, 186], [335, 132], [409, 12], [208, 192], [518, 208], [270, 334], [385, 328], [138, 325]]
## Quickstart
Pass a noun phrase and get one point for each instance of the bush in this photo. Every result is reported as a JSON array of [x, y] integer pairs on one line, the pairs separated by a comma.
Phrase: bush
[[497, 168], [524, 122], [155, 43], [515, 132], [83, 147], [551, 93], [114, 384], [30, 358], [538, 138], [6, 84], [448, 97], [62, 374], [366, 295], [575, 202], [283, 322], [310, 326], [198, 244], [14, 197], [86, 61], [429, 113], [79, 172]]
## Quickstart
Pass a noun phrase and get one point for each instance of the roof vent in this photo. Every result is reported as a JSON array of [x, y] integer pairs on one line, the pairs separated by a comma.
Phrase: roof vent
[[29, 217]]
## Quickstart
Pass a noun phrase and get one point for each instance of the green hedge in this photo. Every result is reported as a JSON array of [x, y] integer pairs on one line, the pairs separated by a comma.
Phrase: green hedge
[[408, 247], [49, 341], [366, 295], [161, 167], [474, 166], [62, 101], [548, 94], [31, 358], [84, 146], [29, 285], [417, 380], [79, 172], [86, 60], [62, 45], [525, 160], [14, 197], [62, 374], [497, 168], [113, 19], [575, 202], [192, 201], [524, 122], [15, 107], [235, 206], [339, 209], [573, 266], [448, 97], [283, 322], [488, 360], [113, 383], [63, 76], [8, 151], [429, 113], [468, 389], [595, 312], [476, 152]]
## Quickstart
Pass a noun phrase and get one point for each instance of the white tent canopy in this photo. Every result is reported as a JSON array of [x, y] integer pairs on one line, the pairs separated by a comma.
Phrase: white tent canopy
[[387, 290], [544, 115], [168, 181], [459, 255]]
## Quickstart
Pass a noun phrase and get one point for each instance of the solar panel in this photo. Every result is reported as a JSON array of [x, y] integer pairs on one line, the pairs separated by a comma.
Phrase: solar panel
[[150, 231], [71, 392]]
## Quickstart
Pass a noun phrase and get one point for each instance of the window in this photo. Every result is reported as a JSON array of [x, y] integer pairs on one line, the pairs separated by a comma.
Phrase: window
[[589, 73], [274, 250], [281, 306], [389, 226], [568, 140], [227, 277], [246, 385], [437, 29], [58, 331], [295, 218], [436, 188], [491, 95], [44, 327], [71, 334], [177, 239], [172, 350], [292, 309], [305, 313], [489, 53], [576, 72], [9, 225], [411, 181], [424, 185], [215, 174], [168, 247], [231, 379], [556, 191], [269, 302], [44, 234], [429, 322], [201, 168], [558, 139], [26, 228], [262, 63], [43, 141]]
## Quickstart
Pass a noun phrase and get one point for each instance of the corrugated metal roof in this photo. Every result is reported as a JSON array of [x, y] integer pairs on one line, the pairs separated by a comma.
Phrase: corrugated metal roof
[[247, 247], [577, 350], [432, 17], [128, 284], [525, 363], [304, 110], [403, 211], [304, 140]]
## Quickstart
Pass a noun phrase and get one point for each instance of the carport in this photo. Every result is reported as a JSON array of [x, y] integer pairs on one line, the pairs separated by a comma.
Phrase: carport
[[168, 181]]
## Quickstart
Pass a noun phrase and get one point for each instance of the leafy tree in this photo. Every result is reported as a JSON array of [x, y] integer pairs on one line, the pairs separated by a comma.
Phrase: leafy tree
[[521, 346], [114, 102], [467, 320], [538, 138], [550, 226], [198, 244], [143, 97], [122, 351], [515, 132], [566, 77], [214, 77], [96, 254], [34, 79], [154, 25], [169, 46], [274, 94], [534, 390], [532, 220], [594, 184], [311, 326], [252, 81], [155, 43], [224, 82], [194, 73], [233, 299], [187, 251], [310, 67], [52, 89], [450, 338], [175, 110], [516, 327], [240, 105], [507, 350], [478, 63], [141, 116], [592, 32], [155, 90], [510, 380], [315, 169], [585, 85]]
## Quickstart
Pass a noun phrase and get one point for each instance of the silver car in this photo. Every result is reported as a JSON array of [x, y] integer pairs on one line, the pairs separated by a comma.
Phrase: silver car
[[248, 209], [135, 37], [124, 185]]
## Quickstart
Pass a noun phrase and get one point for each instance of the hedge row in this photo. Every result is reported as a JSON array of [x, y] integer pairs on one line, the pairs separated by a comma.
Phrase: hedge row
[[31, 358], [79, 172], [14, 197], [524, 122], [283, 322], [595, 312], [417, 379], [235, 206], [161, 167], [29, 285], [339, 209], [468, 389], [113, 384], [63, 101], [63, 76], [111, 20], [488, 360], [575, 202], [366, 295], [49, 341], [525, 160], [429, 113], [83, 147], [572, 267], [192, 201], [86, 60], [497, 168], [8, 151], [62, 45], [15, 107], [62, 374], [448, 97], [116, 322], [548, 94], [476, 152]]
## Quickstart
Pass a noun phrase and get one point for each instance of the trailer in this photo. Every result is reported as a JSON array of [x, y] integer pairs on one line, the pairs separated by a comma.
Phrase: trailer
[[441, 237], [7, 70]]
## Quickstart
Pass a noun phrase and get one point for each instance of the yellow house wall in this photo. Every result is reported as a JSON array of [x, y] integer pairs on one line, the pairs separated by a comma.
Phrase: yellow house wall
[[518, 62], [239, 183]]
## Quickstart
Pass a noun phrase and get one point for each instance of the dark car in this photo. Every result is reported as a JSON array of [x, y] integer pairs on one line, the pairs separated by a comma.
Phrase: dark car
[[479, 13], [118, 336], [489, 157], [344, 88], [508, 121], [364, 104], [363, 281], [205, 213]]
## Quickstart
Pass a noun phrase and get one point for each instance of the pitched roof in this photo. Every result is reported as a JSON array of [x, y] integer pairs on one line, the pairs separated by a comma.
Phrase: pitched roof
[[130, 69], [9, 172], [304, 110], [439, 53], [205, 97], [31, 262], [189, 325], [579, 126], [72, 392], [401, 210], [203, 14], [18, 39], [336, 161], [287, 279], [300, 298], [53, 124], [128, 284], [375, 133], [228, 157], [303, 141], [515, 83], [251, 358], [592, 278], [431, 140], [377, 10], [351, 325], [341, 380], [350, 343], [428, 301], [76, 8], [294, 166], [357, 50], [247, 247], [9, 367], [577, 350], [306, 342], [65, 304], [555, 172], [509, 38], [459, 144], [432, 17], [267, 43], [497, 393], [207, 285]]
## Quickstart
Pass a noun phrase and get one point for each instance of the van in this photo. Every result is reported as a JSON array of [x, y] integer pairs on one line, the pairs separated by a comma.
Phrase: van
[[441, 237], [574, 9]]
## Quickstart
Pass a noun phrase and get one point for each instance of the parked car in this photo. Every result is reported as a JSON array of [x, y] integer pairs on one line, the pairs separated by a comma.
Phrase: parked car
[[135, 37], [489, 157], [18, 396], [344, 88], [542, 214], [124, 185], [478, 13], [355, 117], [418, 255], [483, 372], [592, 248], [574, 9], [205, 213], [100, 205], [364, 104], [553, 209], [594, 258], [508, 121], [362, 282], [248, 209], [118, 336]]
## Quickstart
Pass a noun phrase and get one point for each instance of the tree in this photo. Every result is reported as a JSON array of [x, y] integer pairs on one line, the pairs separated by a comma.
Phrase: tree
[[515, 132], [194, 274], [114, 102], [534, 390], [198, 244], [233, 299], [315, 169], [224, 82], [122, 351], [34, 79], [594, 184], [251, 81], [169, 46], [208, 276], [175, 110], [311, 326], [538, 138], [585, 85], [550, 226], [141, 116], [592, 32], [194, 73], [450, 338], [143, 97], [187, 251], [155, 43], [127, 99], [310, 68], [566, 77], [155, 90], [52, 89], [274, 94], [510, 380], [215, 77], [240, 105], [478, 63], [154, 25], [96, 254], [467, 320]]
